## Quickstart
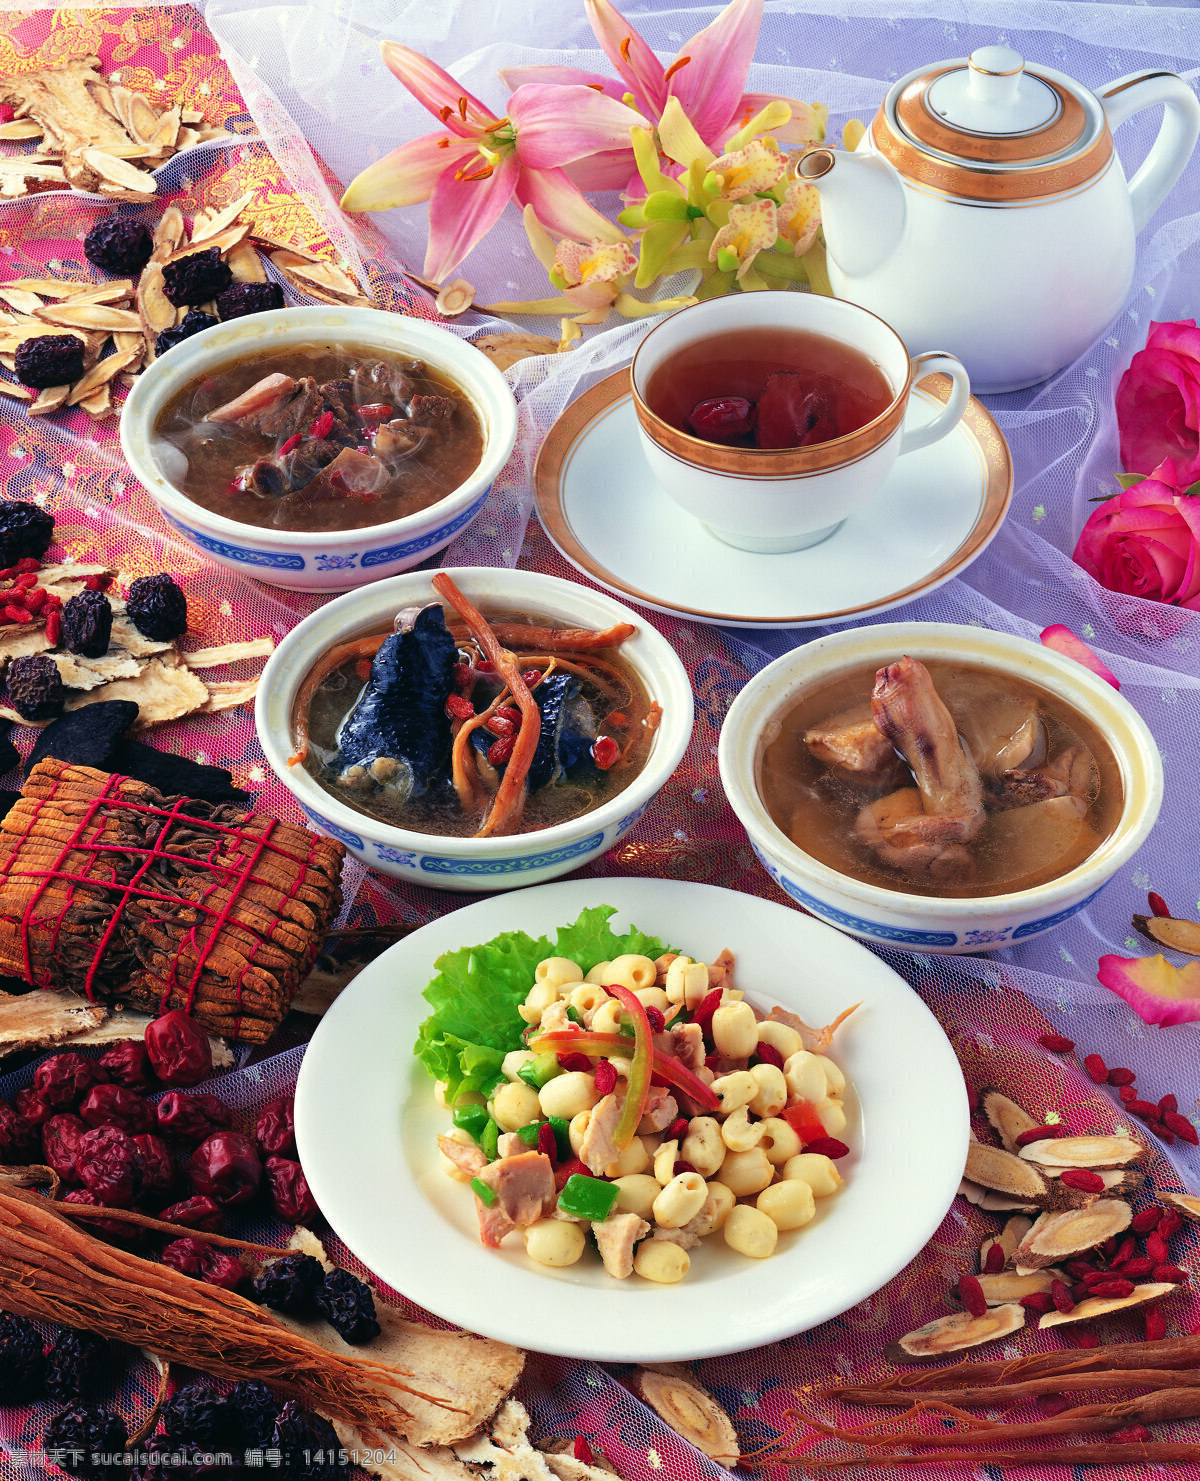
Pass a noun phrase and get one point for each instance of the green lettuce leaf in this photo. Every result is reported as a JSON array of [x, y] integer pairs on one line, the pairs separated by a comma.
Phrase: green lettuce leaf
[[478, 989]]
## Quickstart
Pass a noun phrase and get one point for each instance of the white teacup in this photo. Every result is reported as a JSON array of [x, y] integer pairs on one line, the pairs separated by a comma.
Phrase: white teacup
[[779, 499]]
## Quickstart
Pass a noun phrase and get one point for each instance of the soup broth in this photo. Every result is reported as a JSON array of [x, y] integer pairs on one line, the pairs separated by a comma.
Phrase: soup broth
[[318, 437], [768, 388], [1050, 786], [597, 729]]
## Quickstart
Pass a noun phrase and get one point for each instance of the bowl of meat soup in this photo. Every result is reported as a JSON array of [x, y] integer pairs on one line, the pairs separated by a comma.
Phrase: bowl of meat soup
[[395, 731], [320, 448], [938, 788]]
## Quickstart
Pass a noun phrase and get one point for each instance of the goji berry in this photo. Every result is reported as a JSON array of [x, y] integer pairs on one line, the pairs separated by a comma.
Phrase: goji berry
[[1145, 1110], [1147, 1221], [656, 1019], [96, 583], [1182, 1128], [827, 1146], [485, 666], [993, 1261], [35, 600], [1081, 1179], [680, 1167], [52, 599], [1080, 1291], [1061, 1297], [509, 713], [53, 628], [970, 1293], [1158, 906], [1170, 1224], [459, 707], [25, 580], [1126, 1249], [500, 727], [14, 613], [1163, 1135], [1096, 1277], [768, 1054], [1132, 1434], [1109, 1247], [7, 112], [677, 1130], [712, 1061], [532, 678], [1113, 1289], [29, 563], [1136, 1269], [1168, 1103], [464, 676], [1080, 1268], [289, 446], [373, 411], [606, 1077], [1127, 1093], [573, 1061], [1155, 1325], [1121, 1076], [704, 1013], [547, 1142], [1172, 1273], [499, 751], [1039, 1301], [1040, 1134], [1056, 1043], [323, 425], [1156, 1248], [1096, 1068], [605, 752]]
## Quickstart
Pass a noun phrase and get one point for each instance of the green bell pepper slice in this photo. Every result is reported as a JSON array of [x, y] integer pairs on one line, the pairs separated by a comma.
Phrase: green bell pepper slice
[[537, 1071], [588, 1198], [489, 1139], [471, 1119]]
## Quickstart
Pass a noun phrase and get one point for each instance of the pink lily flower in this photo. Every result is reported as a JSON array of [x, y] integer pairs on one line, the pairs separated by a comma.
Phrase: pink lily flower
[[470, 168], [707, 78]]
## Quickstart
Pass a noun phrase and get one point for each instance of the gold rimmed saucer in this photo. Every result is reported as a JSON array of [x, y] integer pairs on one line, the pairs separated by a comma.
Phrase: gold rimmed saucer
[[599, 504]]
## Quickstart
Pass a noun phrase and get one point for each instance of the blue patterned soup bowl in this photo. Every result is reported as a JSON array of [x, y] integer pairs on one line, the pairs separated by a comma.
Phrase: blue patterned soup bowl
[[763, 740], [324, 560], [442, 861]]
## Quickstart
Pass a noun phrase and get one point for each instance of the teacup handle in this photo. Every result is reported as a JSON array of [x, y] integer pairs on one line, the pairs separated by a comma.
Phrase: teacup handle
[[951, 414]]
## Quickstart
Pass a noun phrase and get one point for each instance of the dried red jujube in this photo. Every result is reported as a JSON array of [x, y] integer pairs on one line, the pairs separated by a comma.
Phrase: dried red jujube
[[60, 1144], [223, 1268], [200, 1260], [197, 1212], [291, 1197], [129, 1064], [28, 1103], [155, 1165], [64, 1079], [179, 1049], [107, 1165], [113, 1105], [275, 1129], [20, 1140], [227, 1168], [192, 1118]]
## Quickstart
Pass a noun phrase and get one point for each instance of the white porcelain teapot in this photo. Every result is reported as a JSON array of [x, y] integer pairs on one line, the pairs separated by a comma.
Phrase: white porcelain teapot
[[985, 211]]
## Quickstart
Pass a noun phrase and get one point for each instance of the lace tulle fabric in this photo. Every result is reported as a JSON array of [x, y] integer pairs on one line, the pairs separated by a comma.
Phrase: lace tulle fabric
[[307, 80]]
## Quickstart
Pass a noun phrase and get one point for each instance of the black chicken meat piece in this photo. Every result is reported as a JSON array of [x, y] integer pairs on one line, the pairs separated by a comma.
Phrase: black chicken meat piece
[[398, 734], [272, 478], [568, 730]]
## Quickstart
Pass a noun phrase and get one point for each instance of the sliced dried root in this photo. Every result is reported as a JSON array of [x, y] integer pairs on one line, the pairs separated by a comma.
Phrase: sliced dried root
[[1005, 1173], [1008, 1239], [690, 1410], [953, 1333], [1187, 1204], [998, 1290], [1166, 930], [1095, 1306], [1058, 1236], [1085, 1151], [1007, 1119]]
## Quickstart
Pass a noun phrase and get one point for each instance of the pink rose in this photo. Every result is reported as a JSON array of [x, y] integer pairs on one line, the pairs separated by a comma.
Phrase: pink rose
[[1145, 542], [1158, 402]]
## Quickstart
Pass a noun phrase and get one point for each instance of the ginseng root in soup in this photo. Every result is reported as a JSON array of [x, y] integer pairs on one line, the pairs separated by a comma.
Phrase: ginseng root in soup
[[768, 388], [318, 437], [940, 779]]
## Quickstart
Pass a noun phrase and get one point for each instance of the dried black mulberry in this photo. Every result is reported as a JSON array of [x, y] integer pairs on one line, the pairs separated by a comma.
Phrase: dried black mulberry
[[309, 1445], [157, 608], [35, 688], [194, 322], [348, 1306], [49, 360], [87, 624], [290, 1284], [25, 530], [78, 1439], [22, 1367], [249, 298], [74, 1364], [253, 1409], [197, 277], [119, 244]]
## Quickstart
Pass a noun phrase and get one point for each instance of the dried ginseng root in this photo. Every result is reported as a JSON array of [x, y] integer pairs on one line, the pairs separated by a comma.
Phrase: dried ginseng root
[[952, 1333], [1058, 1236], [690, 1410], [992, 1395]]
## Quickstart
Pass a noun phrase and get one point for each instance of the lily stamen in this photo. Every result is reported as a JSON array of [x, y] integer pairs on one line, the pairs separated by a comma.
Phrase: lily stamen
[[462, 109], [445, 112], [674, 67], [625, 45]]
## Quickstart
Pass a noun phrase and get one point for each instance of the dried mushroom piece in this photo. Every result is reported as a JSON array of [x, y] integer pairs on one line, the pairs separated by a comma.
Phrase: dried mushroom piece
[[1093, 1306], [1007, 1119], [1165, 930], [1090, 1152], [953, 1333], [1007, 1286], [1058, 1236], [689, 1409], [1187, 1204], [1004, 1173]]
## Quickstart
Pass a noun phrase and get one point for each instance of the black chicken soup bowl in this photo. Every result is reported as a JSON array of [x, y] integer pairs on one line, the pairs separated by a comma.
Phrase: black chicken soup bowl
[[466, 863], [918, 922], [327, 560]]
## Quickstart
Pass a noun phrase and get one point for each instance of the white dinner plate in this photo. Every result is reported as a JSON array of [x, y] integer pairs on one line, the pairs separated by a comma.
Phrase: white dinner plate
[[366, 1123], [938, 511]]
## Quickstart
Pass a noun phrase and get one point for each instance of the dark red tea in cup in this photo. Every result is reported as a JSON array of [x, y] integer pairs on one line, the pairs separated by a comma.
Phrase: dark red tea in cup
[[768, 388]]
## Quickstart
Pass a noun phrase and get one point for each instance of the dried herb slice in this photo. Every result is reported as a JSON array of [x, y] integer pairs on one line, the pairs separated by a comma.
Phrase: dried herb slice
[[953, 1333], [1005, 1173], [1057, 1236], [1094, 1306], [1007, 1118], [1085, 1151]]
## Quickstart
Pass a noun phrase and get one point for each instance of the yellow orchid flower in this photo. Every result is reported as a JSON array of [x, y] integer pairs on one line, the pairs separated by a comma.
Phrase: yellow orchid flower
[[752, 228], [757, 167]]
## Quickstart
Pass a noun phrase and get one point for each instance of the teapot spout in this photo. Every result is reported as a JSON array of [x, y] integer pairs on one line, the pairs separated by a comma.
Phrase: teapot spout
[[862, 207]]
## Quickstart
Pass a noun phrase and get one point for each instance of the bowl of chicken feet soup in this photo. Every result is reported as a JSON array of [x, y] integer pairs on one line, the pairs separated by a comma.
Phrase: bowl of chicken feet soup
[[939, 788], [477, 728], [320, 448]]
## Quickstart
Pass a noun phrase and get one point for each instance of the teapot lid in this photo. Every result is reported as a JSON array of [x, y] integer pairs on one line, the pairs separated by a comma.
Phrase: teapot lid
[[989, 127]]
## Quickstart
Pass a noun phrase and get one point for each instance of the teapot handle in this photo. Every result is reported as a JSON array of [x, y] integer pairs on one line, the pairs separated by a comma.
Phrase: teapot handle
[[1176, 138]]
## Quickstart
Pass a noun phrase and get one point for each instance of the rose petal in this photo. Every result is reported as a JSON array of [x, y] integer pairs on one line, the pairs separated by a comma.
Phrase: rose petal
[[1062, 640], [1155, 990]]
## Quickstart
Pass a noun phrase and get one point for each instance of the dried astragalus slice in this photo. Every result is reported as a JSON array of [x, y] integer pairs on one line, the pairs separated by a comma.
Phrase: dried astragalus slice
[[216, 223], [169, 234], [246, 265], [49, 400], [204, 658], [101, 373], [15, 391], [1058, 1236], [1007, 1118], [1005, 1173], [1007, 1286], [95, 316], [20, 299], [119, 172], [690, 1410], [953, 1333], [1089, 1152], [1008, 1239], [504, 350], [1094, 1306]]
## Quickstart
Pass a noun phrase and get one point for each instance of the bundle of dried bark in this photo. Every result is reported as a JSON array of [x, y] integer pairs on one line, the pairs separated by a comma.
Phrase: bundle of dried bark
[[109, 888]]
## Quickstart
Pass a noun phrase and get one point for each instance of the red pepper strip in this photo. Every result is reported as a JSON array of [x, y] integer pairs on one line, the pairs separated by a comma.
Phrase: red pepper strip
[[640, 1068], [804, 1121], [603, 1046]]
